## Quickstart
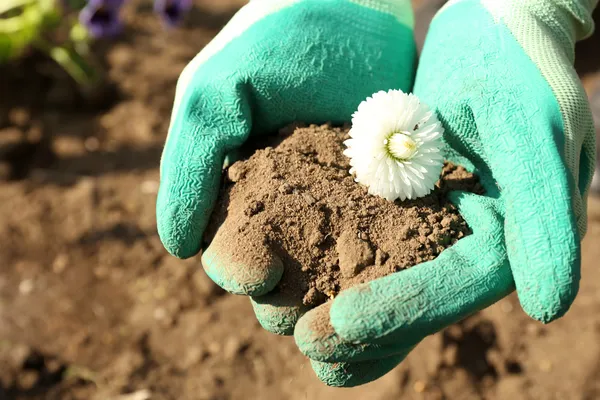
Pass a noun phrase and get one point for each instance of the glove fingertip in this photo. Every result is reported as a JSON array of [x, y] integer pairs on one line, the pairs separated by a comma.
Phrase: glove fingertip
[[180, 238], [549, 305], [254, 275], [278, 314], [348, 374], [314, 335], [545, 258], [345, 315]]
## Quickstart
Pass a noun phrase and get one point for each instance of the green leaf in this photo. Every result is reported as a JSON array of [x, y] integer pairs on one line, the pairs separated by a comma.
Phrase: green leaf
[[8, 6], [75, 65]]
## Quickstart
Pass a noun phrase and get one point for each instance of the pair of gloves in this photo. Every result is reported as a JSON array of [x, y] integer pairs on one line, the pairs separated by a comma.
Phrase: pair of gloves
[[499, 74]]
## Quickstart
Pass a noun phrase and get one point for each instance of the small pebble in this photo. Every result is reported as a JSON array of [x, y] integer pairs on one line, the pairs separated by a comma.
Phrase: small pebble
[[149, 187], [380, 257], [450, 354], [26, 286], [310, 200], [27, 379], [419, 386], [534, 329], [91, 144], [285, 188], [312, 297], [316, 238], [454, 331], [254, 208], [506, 307], [60, 263], [236, 172], [101, 272], [233, 347], [19, 116], [424, 230], [546, 365]]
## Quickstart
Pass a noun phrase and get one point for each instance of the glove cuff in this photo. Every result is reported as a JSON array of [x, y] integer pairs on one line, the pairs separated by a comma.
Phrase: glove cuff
[[400, 9], [567, 21]]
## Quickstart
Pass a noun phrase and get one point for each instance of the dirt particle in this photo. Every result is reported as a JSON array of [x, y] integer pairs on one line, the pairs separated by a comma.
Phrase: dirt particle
[[313, 297], [545, 365], [233, 347], [419, 386], [310, 200], [92, 144], [236, 172], [380, 257], [26, 286], [285, 188], [316, 238], [254, 208], [354, 254], [19, 116], [27, 379], [60, 263]]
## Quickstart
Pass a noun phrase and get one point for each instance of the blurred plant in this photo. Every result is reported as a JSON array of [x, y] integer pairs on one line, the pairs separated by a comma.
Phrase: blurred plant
[[101, 17], [64, 30], [172, 11]]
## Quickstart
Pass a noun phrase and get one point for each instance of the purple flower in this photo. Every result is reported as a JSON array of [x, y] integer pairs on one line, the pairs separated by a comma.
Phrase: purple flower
[[171, 11], [101, 17]]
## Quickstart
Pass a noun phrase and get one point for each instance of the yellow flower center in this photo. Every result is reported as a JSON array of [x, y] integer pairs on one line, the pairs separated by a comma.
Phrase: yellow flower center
[[401, 146]]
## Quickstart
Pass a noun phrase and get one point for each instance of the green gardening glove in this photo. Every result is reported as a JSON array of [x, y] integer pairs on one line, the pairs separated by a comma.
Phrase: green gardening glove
[[500, 75], [276, 62]]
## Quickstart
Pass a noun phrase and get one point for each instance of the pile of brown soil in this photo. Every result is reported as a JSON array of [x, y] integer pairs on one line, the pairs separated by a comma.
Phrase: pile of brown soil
[[298, 199]]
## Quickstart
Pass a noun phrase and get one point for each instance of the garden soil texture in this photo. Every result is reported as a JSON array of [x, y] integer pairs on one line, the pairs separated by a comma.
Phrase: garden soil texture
[[93, 308], [296, 198]]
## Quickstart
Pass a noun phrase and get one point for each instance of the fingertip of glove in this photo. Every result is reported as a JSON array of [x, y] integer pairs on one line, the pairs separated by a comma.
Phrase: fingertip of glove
[[348, 374], [242, 278], [304, 335], [547, 310], [181, 240], [276, 315], [334, 374], [345, 314], [179, 249], [313, 334], [277, 328], [547, 284]]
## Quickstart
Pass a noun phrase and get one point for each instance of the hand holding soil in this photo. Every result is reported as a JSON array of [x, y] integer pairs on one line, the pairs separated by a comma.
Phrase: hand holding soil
[[293, 228]]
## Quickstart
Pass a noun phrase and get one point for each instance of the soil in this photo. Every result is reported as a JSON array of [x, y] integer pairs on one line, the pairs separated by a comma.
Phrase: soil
[[93, 308], [298, 197]]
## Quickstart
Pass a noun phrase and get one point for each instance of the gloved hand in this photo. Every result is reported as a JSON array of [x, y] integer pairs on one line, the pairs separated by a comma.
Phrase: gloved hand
[[277, 61], [500, 75]]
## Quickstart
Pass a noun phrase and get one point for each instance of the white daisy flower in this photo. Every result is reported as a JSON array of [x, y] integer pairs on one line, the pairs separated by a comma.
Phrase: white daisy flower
[[396, 146]]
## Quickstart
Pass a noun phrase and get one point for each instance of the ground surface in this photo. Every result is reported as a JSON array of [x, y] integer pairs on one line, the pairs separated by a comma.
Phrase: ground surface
[[91, 306]]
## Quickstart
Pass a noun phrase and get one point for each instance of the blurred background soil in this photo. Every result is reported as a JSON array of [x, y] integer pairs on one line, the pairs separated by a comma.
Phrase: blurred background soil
[[92, 307]]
